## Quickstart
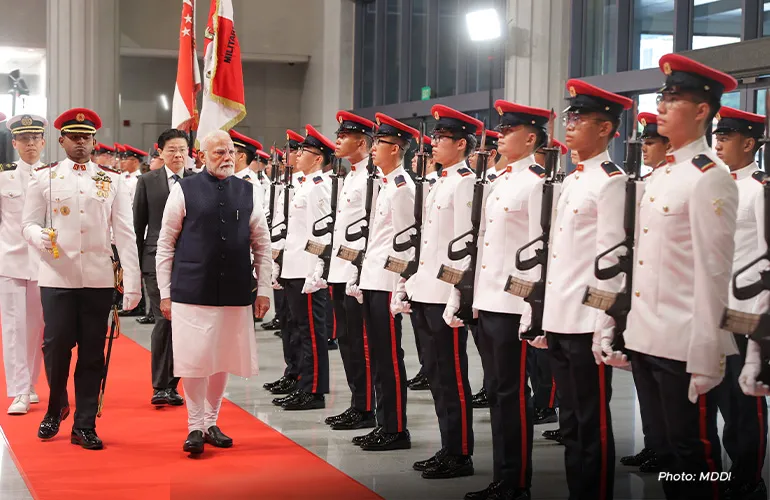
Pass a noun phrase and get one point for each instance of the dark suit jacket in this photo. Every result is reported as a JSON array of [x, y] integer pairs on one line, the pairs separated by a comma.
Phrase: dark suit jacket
[[149, 201]]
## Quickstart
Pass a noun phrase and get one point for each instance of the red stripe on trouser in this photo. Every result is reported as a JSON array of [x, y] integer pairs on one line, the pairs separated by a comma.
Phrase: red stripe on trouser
[[460, 391], [553, 393], [368, 372], [312, 339], [603, 432], [761, 450], [523, 414], [703, 431], [396, 372]]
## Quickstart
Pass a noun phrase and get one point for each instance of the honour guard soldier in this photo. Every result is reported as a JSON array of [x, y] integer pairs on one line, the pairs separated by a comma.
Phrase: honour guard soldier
[[393, 213], [71, 207], [21, 314], [682, 268], [354, 142], [156, 162], [744, 437], [260, 166], [246, 150], [654, 146], [589, 219], [130, 166], [299, 273], [510, 219], [104, 155], [447, 215]]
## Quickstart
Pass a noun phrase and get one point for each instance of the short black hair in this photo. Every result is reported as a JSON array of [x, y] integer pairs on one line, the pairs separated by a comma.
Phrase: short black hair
[[249, 155], [172, 133], [470, 143]]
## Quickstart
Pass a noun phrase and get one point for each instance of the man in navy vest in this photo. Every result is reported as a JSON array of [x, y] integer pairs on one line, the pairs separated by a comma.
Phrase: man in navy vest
[[211, 224]]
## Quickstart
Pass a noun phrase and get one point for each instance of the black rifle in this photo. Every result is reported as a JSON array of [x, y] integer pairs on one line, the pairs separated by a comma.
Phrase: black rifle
[[400, 266], [534, 292], [464, 280], [618, 305], [273, 185], [319, 249], [356, 257], [284, 224]]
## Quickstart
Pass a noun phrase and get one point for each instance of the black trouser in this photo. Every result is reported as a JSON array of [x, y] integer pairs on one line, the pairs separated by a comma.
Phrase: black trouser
[[585, 390], [446, 366], [504, 358], [289, 335], [475, 335], [417, 345], [384, 333], [308, 315], [689, 430], [541, 378], [75, 316], [329, 324], [354, 348], [745, 432], [161, 345], [280, 303]]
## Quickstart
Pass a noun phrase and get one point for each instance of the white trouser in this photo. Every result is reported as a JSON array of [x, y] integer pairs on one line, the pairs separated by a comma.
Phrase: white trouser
[[21, 314], [204, 398]]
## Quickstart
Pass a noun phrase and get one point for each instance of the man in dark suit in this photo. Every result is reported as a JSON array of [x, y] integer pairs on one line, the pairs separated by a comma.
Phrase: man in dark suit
[[152, 190]]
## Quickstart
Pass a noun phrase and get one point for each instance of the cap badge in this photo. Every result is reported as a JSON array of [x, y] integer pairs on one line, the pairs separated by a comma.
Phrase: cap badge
[[667, 68], [287, 137], [643, 121], [718, 116], [572, 91], [378, 121], [26, 120], [436, 115], [706, 88], [500, 110], [80, 117], [339, 119]]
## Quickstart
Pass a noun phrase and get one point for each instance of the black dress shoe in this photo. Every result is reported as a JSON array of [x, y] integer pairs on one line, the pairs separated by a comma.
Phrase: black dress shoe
[[338, 418], [274, 324], [194, 443], [288, 386], [331, 345], [483, 494], [510, 493], [270, 385], [652, 465], [387, 441], [146, 320], [431, 462], [360, 440], [159, 397], [545, 416], [356, 420], [420, 384], [305, 401], [86, 438], [414, 379], [747, 491], [174, 398], [49, 427], [479, 400], [638, 459], [278, 333], [215, 437], [286, 399], [449, 467], [553, 435]]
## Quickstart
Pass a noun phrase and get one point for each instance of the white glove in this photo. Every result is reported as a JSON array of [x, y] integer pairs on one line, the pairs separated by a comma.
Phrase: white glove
[[398, 302], [751, 368], [131, 300], [43, 240], [310, 286], [701, 384], [539, 342], [352, 289], [316, 279], [605, 334], [450, 311], [276, 274], [526, 320]]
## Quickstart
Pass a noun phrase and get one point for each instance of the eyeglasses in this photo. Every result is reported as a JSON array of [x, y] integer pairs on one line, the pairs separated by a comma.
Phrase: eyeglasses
[[577, 119], [438, 137], [379, 141], [23, 138], [220, 153], [176, 151], [670, 99], [303, 149]]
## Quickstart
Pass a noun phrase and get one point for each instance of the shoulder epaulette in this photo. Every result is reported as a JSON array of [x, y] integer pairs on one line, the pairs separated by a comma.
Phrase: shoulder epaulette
[[318, 179], [7, 167], [703, 162], [611, 169], [109, 169], [47, 165], [431, 181], [399, 180], [464, 171], [492, 177], [537, 170], [759, 176]]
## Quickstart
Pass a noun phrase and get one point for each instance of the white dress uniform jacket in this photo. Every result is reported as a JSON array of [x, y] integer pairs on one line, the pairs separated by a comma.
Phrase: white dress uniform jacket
[[589, 219], [131, 179], [209, 339], [87, 203], [749, 231], [18, 259], [447, 215], [510, 220], [430, 180], [684, 259], [251, 177], [265, 182], [394, 213], [312, 200], [297, 178], [350, 207], [492, 174]]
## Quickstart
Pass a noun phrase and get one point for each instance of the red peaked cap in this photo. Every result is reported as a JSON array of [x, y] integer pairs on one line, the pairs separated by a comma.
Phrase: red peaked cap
[[387, 126], [317, 140], [682, 73], [590, 98], [262, 156], [428, 141], [455, 121], [492, 138], [649, 123], [354, 123], [132, 151], [273, 149], [103, 148], [512, 114], [294, 139], [735, 120], [78, 121], [247, 143]]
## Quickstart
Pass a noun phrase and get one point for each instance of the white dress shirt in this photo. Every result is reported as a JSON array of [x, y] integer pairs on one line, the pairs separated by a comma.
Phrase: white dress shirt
[[87, 203], [589, 219], [394, 213], [250, 176], [18, 259], [447, 215], [683, 262], [170, 177]]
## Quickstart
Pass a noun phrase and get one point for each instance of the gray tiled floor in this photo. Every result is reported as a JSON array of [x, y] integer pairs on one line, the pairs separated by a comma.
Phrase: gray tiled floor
[[390, 474]]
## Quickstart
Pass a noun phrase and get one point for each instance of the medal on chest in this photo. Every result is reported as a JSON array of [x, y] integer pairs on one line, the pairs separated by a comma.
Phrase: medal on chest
[[103, 184]]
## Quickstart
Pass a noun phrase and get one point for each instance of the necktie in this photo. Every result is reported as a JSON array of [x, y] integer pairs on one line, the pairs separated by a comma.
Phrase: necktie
[[176, 178]]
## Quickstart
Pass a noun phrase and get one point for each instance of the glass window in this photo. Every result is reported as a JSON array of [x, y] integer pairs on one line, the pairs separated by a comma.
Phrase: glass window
[[732, 99], [418, 49], [653, 32], [600, 44], [449, 37], [715, 22], [765, 19], [367, 56], [392, 51]]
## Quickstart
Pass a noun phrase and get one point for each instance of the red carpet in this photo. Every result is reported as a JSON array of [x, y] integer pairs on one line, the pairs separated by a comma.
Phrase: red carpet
[[143, 457]]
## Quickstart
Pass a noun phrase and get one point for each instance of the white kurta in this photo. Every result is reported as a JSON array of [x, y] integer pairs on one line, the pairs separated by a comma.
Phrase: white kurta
[[210, 339]]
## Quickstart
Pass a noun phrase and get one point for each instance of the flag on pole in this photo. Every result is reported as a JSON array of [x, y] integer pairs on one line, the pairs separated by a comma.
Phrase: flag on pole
[[224, 104], [184, 114]]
